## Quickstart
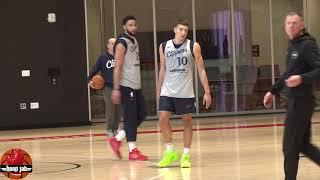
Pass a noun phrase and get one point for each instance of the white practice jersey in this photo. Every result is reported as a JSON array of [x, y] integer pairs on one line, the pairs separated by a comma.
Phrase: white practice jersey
[[130, 76], [179, 64]]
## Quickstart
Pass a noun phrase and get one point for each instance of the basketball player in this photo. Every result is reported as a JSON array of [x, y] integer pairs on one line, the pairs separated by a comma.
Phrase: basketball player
[[303, 67], [175, 89], [105, 65], [127, 86]]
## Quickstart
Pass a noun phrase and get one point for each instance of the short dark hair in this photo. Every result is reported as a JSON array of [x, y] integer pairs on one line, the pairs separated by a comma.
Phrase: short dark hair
[[294, 13], [183, 22], [128, 18]]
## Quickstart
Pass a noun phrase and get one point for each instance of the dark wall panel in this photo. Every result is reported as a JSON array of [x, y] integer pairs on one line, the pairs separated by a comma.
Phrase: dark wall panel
[[28, 41]]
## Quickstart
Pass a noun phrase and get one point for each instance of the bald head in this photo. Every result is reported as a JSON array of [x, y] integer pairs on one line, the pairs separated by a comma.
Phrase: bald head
[[110, 45], [294, 25]]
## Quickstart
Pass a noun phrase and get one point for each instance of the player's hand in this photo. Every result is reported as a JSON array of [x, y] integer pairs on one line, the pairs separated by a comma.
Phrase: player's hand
[[116, 96], [267, 100], [207, 100], [91, 85], [294, 81]]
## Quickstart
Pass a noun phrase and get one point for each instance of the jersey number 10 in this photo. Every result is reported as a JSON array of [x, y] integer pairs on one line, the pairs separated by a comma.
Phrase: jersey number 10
[[183, 60]]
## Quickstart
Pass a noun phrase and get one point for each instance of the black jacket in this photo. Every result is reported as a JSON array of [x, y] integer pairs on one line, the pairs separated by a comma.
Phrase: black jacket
[[302, 59], [105, 64]]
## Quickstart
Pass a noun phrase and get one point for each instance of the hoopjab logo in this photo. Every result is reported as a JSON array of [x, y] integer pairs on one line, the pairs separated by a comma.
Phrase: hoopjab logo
[[16, 164]]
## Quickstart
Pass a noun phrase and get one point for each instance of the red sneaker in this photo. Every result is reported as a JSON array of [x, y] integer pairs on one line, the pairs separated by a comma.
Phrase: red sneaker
[[115, 145], [136, 155]]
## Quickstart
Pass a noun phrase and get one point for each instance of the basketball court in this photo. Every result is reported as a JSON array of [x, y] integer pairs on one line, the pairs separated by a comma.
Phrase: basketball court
[[226, 148]]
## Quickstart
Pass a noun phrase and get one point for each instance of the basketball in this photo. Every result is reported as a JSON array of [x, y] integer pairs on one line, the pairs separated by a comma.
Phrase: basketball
[[98, 81], [16, 157]]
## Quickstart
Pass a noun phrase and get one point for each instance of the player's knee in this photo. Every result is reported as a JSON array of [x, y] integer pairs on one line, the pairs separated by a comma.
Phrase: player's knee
[[187, 122], [163, 121], [187, 117]]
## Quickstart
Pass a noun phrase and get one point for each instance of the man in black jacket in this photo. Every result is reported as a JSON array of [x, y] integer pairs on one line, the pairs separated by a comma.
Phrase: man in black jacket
[[303, 67]]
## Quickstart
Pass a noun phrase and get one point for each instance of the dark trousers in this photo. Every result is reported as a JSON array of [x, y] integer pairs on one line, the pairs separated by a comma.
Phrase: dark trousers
[[297, 134], [134, 111]]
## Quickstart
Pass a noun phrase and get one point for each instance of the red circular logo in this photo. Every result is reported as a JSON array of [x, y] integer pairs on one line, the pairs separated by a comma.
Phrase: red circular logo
[[16, 164]]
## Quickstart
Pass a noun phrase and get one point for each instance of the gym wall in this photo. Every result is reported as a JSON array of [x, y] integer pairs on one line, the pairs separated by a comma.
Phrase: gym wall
[[55, 93]]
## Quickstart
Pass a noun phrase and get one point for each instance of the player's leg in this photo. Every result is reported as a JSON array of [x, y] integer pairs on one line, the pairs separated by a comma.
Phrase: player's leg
[[185, 107], [130, 108], [187, 131], [140, 117], [166, 106], [165, 127], [117, 116], [142, 108], [113, 115], [187, 139]]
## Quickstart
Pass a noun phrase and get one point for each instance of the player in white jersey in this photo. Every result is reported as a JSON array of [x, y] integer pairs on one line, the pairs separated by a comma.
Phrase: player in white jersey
[[127, 88], [175, 89]]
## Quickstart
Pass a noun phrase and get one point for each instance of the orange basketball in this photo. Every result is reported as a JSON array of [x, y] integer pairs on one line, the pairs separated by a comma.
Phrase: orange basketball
[[98, 81], [16, 157]]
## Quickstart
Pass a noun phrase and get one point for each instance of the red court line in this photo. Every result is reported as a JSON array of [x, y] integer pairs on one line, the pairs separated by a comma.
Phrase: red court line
[[143, 132]]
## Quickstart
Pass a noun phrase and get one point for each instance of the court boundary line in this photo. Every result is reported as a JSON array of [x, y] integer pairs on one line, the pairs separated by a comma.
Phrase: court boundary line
[[99, 157], [144, 132]]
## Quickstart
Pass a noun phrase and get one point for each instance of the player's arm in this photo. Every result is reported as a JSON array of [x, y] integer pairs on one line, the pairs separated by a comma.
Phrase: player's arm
[[162, 71], [120, 51], [202, 74]]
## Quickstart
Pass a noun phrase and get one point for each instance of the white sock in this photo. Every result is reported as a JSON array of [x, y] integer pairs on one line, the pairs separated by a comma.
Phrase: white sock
[[132, 145], [110, 134], [169, 146], [186, 150], [121, 135]]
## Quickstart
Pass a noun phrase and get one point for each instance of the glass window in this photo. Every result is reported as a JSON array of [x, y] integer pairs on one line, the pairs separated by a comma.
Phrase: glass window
[[213, 32], [108, 19], [253, 54], [95, 49], [252, 44], [167, 13], [95, 41]]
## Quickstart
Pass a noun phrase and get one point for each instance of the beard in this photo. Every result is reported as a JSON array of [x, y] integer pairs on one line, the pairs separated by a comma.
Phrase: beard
[[131, 33]]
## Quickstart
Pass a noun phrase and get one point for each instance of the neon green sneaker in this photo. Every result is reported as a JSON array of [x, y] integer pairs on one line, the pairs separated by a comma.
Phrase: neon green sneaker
[[168, 158], [185, 161]]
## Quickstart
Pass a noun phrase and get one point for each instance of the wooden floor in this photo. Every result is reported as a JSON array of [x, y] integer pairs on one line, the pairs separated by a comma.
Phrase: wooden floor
[[224, 148]]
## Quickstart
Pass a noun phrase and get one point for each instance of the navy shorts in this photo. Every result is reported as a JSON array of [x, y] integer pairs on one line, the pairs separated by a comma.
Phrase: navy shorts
[[179, 106]]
